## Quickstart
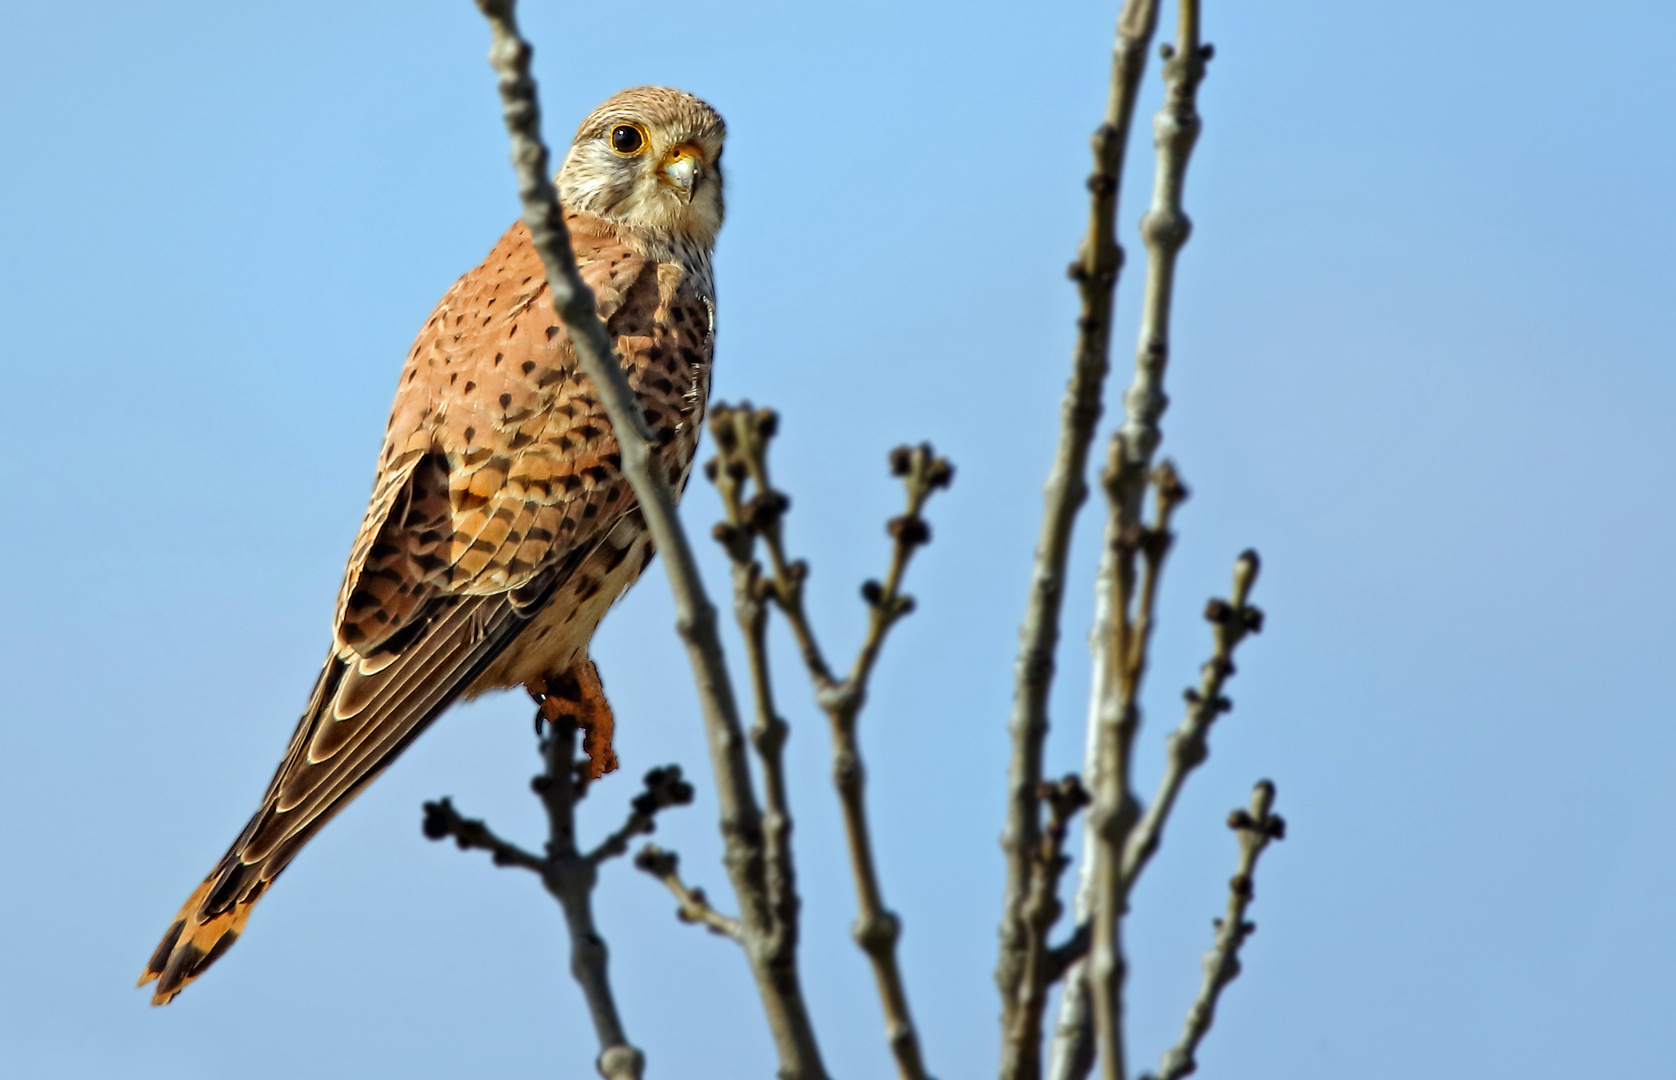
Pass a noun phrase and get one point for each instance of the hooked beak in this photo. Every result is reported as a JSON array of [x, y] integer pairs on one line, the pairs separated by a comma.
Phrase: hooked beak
[[683, 167]]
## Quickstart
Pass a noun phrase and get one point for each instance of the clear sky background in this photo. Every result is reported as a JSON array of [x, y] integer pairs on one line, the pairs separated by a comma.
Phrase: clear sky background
[[1424, 364]]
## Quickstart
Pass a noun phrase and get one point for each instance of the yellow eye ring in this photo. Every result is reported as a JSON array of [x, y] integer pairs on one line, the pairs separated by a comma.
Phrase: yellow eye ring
[[628, 139]]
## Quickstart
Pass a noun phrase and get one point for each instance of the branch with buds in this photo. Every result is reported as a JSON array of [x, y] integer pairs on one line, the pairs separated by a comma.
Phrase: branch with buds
[[755, 511], [569, 873]]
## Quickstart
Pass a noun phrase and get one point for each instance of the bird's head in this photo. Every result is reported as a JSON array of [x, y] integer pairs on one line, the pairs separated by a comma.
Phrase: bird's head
[[649, 158]]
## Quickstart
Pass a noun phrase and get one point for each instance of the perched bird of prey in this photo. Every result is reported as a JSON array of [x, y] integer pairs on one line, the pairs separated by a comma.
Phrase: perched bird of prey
[[501, 526]]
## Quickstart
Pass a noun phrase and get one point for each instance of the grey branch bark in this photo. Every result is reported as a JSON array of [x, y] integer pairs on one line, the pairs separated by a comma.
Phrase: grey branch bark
[[1095, 272], [743, 436], [1256, 829], [1093, 992], [570, 876], [776, 976]]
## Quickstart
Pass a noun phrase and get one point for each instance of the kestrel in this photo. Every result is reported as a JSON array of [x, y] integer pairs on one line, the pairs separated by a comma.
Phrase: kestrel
[[501, 526]]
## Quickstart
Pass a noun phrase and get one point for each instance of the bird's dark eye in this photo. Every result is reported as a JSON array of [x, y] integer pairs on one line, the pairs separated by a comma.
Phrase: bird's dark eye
[[626, 139]]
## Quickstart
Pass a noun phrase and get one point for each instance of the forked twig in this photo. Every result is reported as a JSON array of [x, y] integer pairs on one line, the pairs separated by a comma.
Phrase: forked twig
[[742, 436], [570, 875], [1256, 829]]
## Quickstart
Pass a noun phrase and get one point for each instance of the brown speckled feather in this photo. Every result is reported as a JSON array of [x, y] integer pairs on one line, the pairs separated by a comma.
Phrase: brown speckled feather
[[499, 531]]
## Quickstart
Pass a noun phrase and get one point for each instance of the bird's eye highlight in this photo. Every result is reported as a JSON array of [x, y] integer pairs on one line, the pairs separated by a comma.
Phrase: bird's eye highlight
[[627, 139]]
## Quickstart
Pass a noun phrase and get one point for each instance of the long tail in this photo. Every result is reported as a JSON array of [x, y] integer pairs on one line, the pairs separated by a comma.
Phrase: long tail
[[360, 717]]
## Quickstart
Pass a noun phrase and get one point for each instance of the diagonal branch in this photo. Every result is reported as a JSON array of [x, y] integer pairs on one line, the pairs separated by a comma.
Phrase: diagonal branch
[[1095, 273], [694, 905], [1256, 829], [777, 978]]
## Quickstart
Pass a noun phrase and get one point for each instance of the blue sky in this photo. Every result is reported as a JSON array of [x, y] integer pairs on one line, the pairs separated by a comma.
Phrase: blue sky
[[1423, 364]]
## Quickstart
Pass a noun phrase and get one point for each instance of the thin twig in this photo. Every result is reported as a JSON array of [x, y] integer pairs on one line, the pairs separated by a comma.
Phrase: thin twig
[[1255, 829], [571, 876], [442, 821], [1042, 907], [1095, 272], [1095, 992], [729, 426], [1186, 748], [695, 617], [694, 906], [742, 436]]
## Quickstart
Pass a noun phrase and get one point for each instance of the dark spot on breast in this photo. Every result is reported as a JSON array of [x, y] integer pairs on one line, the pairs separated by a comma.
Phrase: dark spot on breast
[[470, 386], [505, 400], [499, 357], [512, 333], [553, 332], [471, 432], [680, 314], [529, 366]]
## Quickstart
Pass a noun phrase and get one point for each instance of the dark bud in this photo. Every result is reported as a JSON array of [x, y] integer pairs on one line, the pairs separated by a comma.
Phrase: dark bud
[[738, 470], [872, 592], [911, 531], [1252, 619], [904, 606], [1275, 827], [1077, 271], [1224, 705], [1217, 611], [1167, 51], [1207, 51], [712, 469], [1102, 183], [721, 428], [656, 861], [767, 422], [724, 534], [941, 473], [799, 571], [1221, 666], [645, 804], [1240, 886], [435, 825], [1240, 819], [901, 460]]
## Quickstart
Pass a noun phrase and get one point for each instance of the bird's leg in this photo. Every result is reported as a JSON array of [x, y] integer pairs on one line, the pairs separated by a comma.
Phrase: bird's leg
[[578, 696]]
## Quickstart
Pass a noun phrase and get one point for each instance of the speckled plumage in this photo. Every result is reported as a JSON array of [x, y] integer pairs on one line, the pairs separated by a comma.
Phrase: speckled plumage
[[500, 527]]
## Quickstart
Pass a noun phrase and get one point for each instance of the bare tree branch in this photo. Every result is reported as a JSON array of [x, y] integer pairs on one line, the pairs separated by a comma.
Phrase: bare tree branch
[[1186, 748], [1121, 651], [743, 436], [776, 974], [1095, 272], [1222, 963], [571, 876], [694, 905]]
